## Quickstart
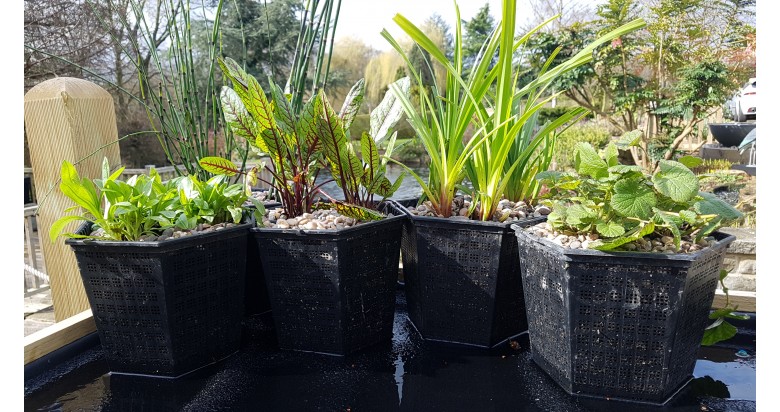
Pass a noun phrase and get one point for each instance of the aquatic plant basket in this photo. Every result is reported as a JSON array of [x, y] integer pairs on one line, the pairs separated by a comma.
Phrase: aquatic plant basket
[[166, 308], [332, 291], [619, 325], [462, 280]]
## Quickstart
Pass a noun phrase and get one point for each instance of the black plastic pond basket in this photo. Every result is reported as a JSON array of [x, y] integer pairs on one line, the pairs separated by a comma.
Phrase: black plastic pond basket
[[166, 308], [462, 280], [255, 291], [618, 325], [332, 291]]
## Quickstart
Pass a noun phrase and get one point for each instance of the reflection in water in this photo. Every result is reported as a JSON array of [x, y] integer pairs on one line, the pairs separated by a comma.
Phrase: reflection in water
[[409, 188], [405, 374]]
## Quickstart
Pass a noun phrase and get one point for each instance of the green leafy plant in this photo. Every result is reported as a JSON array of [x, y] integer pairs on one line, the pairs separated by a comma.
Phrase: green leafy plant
[[720, 329], [361, 179], [621, 203], [299, 146], [144, 205], [504, 149]]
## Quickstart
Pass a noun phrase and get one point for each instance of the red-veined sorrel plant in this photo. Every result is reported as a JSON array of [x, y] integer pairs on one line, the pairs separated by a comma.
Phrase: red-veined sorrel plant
[[498, 153], [300, 146]]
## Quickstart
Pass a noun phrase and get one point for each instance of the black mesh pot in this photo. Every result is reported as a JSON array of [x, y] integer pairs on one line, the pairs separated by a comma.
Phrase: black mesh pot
[[256, 293], [462, 280], [332, 291], [166, 308], [619, 325]]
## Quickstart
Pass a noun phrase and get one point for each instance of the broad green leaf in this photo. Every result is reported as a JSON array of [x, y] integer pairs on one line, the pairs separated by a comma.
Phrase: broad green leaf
[[691, 161], [610, 229], [633, 198], [727, 313], [671, 222], [675, 181], [345, 166], [307, 122], [635, 234], [688, 216], [233, 191], [551, 176], [385, 116], [625, 169], [352, 102], [285, 118], [236, 213], [718, 331], [611, 155], [370, 153], [81, 191], [218, 165], [578, 214], [105, 169], [630, 139], [238, 119], [588, 162], [59, 225], [713, 205], [357, 212]]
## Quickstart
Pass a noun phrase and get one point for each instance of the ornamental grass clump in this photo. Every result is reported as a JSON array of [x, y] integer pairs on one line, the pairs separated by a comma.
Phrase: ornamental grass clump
[[505, 151]]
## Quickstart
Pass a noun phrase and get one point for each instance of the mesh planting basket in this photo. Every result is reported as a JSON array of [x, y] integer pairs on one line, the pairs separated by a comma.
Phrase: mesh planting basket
[[619, 325], [462, 280], [256, 293], [169, 307], [332, 291]]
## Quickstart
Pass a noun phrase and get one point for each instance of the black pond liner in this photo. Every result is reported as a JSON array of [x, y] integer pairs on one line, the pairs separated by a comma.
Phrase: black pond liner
[[619, 325], [166, 308], [405, 374], [332, 291], [462, 280]]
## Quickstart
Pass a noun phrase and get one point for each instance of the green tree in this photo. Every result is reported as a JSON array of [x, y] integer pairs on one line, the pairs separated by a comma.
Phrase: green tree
[[261, 35], [477, 31]]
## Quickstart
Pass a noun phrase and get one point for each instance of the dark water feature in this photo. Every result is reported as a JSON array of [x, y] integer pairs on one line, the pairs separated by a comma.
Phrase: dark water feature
[[409, 188], [406, 374]]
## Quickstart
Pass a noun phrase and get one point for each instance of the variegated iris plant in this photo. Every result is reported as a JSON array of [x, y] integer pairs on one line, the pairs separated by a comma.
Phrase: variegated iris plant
[[503, 150], [301, 145]]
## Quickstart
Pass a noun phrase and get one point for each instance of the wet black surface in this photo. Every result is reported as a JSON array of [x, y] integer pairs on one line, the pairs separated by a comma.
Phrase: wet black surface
[[407, 374]]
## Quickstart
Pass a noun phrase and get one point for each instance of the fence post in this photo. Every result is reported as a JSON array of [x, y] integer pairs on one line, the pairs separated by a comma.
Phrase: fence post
[[66, 119]]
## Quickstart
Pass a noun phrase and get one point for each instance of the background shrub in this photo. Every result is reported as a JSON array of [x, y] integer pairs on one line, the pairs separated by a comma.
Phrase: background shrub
[[589, 132]]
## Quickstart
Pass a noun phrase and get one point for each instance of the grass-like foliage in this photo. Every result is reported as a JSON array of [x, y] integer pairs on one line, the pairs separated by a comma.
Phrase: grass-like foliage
[[505, 152]]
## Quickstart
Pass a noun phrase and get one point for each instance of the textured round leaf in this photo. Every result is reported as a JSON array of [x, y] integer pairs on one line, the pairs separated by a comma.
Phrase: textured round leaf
[[713, 205], [588, 162], [610, 229], [676, 181], [633, 198]]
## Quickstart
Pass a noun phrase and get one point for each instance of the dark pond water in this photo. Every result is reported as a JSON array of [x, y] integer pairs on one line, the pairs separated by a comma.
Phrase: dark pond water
[[405, 374], [409, 188]]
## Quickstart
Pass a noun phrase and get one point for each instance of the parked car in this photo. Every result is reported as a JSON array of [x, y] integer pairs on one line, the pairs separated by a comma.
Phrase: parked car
[[743, 104]]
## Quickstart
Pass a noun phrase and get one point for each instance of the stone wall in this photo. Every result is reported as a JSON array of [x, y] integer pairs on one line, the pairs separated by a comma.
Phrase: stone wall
[[740, 260]]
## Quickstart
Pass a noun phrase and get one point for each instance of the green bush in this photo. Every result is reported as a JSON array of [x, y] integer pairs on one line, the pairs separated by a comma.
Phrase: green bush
[[597, 136], [552, 113]]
